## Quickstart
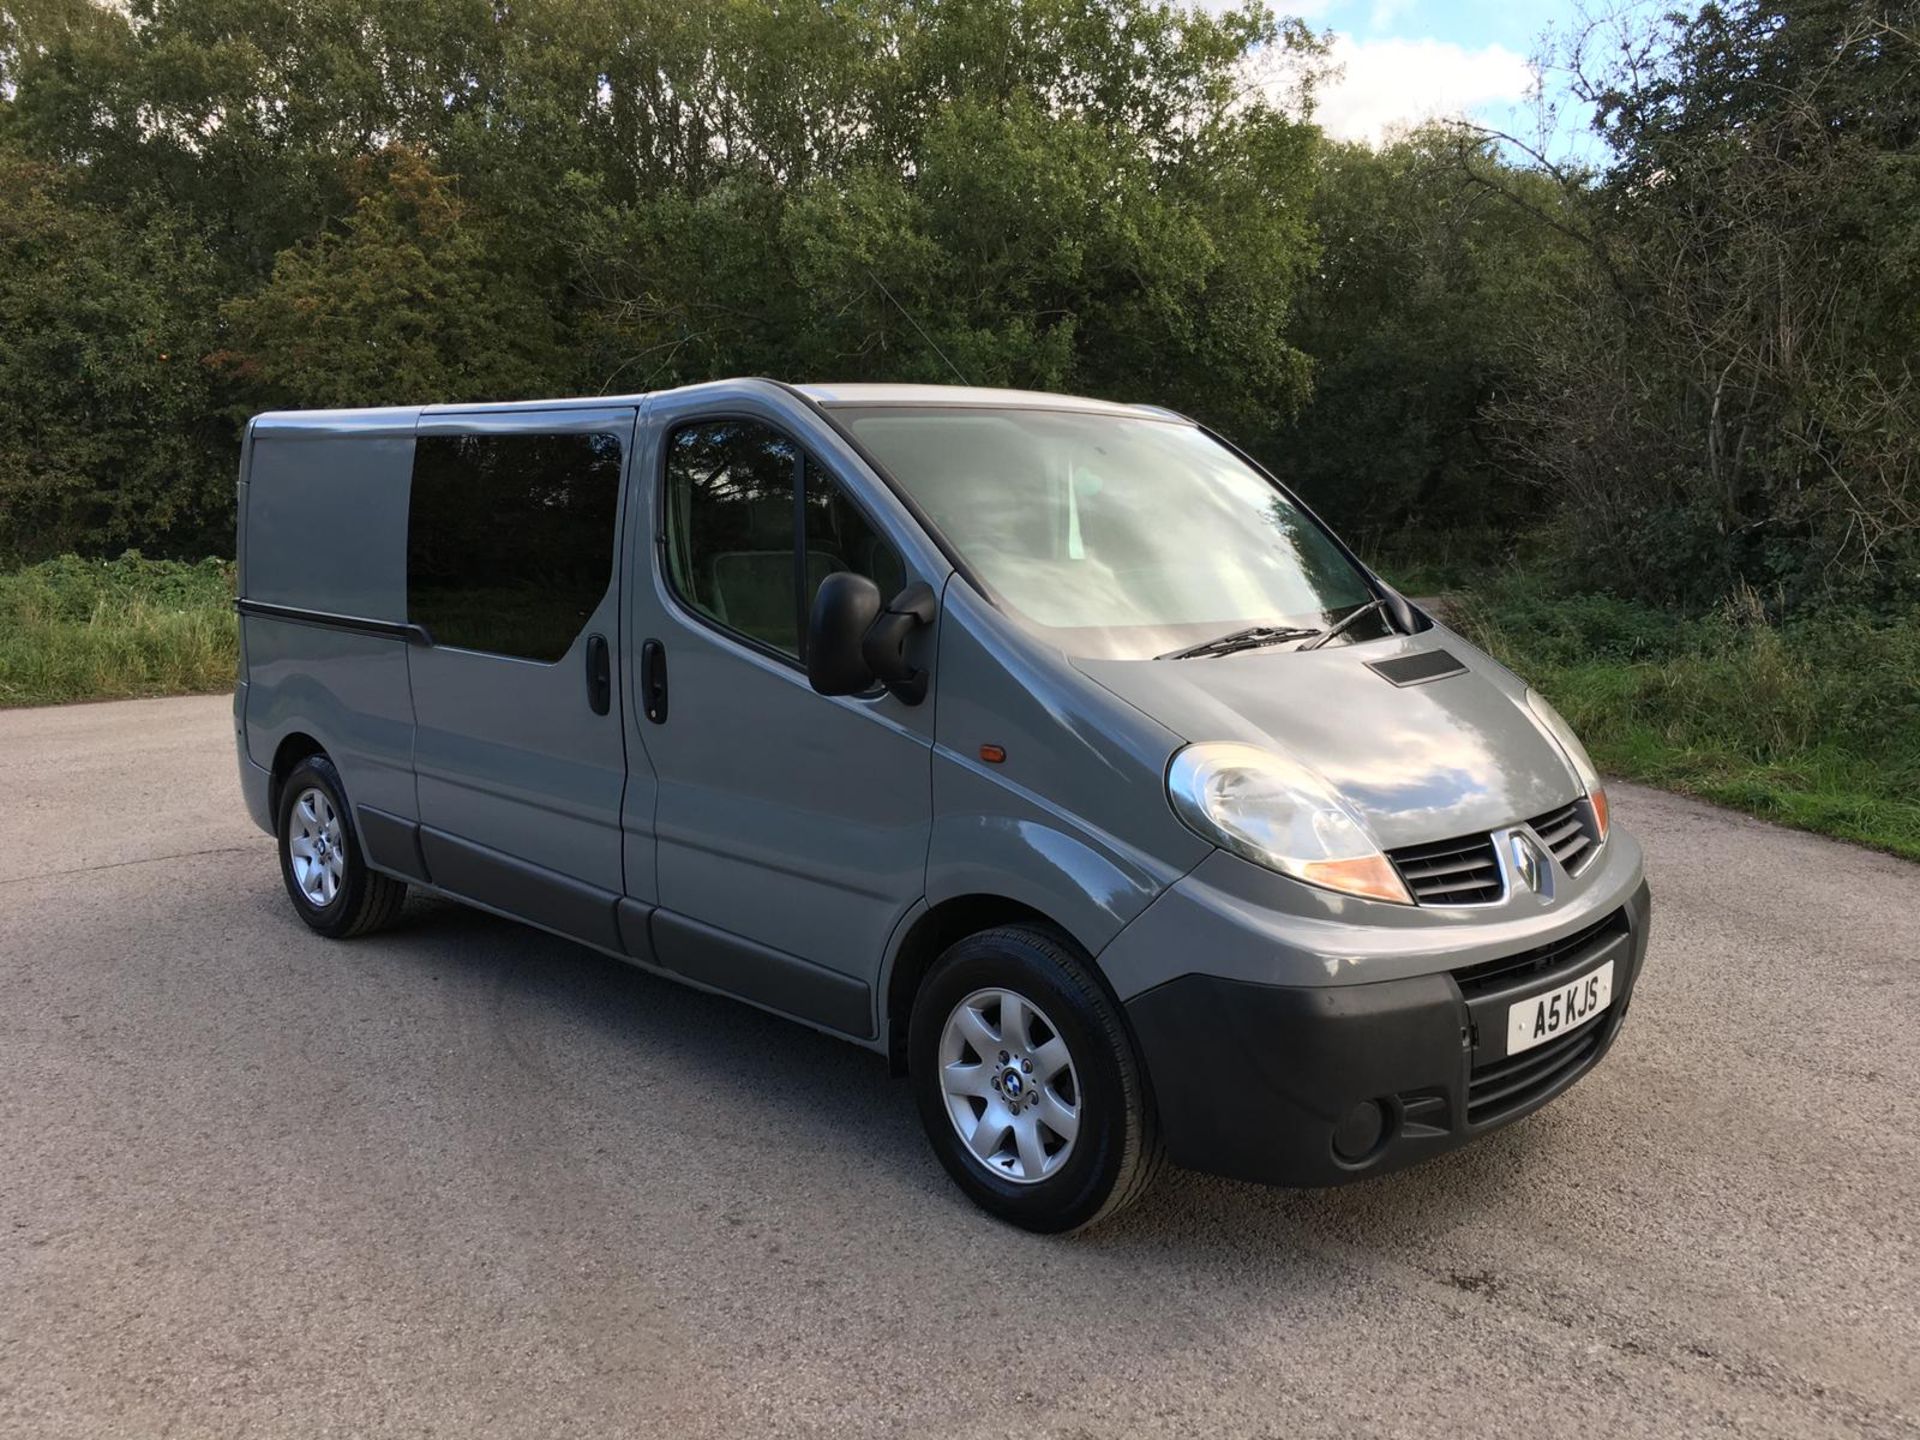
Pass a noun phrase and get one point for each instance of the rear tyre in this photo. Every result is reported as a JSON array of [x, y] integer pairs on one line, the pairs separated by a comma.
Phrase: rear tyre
[[326, 877], [1028, 1084]]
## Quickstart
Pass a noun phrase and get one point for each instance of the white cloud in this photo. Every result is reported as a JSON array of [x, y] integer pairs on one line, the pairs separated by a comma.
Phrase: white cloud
[[1387, 12], [1389, 83]]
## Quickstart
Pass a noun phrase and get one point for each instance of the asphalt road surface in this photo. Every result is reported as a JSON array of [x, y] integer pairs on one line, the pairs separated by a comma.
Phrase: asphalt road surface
[[463, 1179]]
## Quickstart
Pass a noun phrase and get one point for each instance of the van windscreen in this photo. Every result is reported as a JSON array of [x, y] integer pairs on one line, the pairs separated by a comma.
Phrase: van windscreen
[[1122, 537]]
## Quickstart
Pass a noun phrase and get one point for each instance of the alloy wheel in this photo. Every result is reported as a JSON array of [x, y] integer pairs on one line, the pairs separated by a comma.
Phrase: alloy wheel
[[316, 846], [1009, 1084]]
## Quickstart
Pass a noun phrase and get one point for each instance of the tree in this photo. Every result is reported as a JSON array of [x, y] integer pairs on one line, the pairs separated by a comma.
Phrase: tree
[[412, 299], [1054, 193], [410, 200], [1737, 400], [1427, 286], [110, 426]]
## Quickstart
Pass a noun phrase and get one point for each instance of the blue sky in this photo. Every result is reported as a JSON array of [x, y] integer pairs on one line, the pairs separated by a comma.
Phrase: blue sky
[[1409, 60]]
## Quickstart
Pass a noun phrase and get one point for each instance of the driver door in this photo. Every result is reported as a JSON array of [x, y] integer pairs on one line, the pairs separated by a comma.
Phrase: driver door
[[790, 828]]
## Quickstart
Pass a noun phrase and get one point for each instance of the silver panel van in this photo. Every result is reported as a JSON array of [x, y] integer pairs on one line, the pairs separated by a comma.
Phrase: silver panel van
[[1046, 746]]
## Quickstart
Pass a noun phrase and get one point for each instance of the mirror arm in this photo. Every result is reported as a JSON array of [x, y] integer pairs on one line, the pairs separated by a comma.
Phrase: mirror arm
[[1406, 620], [885, 645]]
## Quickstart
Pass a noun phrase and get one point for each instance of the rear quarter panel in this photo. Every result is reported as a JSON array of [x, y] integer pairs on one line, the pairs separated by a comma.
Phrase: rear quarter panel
[[324, 529]]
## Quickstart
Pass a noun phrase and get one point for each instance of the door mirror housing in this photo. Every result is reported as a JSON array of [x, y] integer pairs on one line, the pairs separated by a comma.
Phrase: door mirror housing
[[885, 648], [854, 641], [844, 609]]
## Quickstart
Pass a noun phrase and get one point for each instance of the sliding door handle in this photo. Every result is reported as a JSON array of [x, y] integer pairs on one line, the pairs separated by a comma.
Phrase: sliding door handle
[[599, 675]]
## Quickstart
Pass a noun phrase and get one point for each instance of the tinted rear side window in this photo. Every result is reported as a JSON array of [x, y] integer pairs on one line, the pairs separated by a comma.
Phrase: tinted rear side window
[[511, 538]]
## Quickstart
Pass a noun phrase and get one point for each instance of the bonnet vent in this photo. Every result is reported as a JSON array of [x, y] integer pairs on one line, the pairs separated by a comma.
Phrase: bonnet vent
[[1417, 669]]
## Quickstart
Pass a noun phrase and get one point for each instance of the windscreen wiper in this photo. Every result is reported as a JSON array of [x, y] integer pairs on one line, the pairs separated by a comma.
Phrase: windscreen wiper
[[1347, 621], [1250, 638]]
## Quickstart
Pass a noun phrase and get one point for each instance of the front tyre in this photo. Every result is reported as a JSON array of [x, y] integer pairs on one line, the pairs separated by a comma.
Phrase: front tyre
[[326, 877], [1028, 1084]]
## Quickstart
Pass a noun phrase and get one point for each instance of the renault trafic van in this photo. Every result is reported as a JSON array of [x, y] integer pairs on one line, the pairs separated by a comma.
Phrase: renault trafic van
[[1046, 746]]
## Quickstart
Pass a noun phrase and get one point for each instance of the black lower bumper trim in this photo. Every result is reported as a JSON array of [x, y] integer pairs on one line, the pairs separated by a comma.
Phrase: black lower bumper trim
[[1254, 1081], [1510, 1086]]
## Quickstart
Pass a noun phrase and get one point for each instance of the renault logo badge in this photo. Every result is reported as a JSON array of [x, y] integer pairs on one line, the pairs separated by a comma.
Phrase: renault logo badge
[[1529, 865]]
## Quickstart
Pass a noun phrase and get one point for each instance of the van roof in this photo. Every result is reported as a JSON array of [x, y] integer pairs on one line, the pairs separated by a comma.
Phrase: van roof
[[395, 417], [956, 395]]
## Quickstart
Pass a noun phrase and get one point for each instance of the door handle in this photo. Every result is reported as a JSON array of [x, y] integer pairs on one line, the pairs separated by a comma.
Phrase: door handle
[[599, 675], [653, 681]]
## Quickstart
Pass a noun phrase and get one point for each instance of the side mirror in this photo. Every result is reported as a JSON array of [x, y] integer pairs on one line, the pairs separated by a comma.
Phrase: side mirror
[[852, 641], [885, 648], [844, 609]]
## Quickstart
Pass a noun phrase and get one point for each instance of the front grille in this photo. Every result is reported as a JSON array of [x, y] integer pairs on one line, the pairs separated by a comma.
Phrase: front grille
[[1519, 1080], [1510, 970], [1569, 833], [1451, 872]]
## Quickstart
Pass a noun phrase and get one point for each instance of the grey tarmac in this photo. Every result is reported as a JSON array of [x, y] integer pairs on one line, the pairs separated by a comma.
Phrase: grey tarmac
[[464, 1179]]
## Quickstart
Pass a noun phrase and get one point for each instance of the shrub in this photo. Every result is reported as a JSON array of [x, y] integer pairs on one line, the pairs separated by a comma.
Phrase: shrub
[[74, 629], [1815, 721]]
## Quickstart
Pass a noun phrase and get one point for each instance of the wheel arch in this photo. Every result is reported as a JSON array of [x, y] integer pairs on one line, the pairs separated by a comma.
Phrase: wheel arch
[[988, 869], [927, 937], [295, 746]]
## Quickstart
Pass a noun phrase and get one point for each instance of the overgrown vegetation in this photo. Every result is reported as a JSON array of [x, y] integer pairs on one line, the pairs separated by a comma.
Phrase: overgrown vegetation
[[356, 201], [1692, 366], [1814, 722], [73, 629], [1728, 397], [1635, 391]]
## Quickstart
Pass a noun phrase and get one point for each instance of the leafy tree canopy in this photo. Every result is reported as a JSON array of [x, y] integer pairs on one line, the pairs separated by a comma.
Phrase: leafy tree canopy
[[1692, 366]]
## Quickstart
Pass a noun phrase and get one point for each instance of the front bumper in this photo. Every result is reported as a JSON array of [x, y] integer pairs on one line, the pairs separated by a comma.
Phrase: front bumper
[[1322, 1084]]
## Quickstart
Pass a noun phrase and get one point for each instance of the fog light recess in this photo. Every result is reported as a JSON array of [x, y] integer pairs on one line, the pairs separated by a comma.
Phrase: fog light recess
[[1359, 1132]]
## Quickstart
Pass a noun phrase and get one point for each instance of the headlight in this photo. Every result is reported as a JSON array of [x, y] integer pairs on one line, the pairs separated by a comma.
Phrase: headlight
[[1266, 809], [1576, 755]]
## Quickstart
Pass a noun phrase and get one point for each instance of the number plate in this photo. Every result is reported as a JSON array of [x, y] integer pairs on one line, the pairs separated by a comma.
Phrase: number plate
[[1539, 1018]]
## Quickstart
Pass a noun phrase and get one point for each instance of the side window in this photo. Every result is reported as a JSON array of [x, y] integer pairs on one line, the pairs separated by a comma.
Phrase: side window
[[511, 539], [839, 538], [730, 489], [732, 549]]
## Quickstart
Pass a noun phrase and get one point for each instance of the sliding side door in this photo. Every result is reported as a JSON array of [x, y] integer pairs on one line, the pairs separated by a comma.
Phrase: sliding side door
[[520, 760]]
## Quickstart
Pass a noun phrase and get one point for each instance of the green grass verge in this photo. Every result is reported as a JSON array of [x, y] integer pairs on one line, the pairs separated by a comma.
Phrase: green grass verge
[[73, 629], [1814, 724]]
